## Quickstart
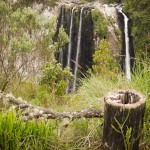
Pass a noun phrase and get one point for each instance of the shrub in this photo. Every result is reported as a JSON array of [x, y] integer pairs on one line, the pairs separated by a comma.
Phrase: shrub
[[100, 24], [55, 77], [103, 63], [16, 135]]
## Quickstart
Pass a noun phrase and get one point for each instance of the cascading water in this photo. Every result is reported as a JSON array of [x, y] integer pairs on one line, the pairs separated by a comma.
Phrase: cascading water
[[127, 58], [61, 22], [70, 45], [78, 51], [70, 38]]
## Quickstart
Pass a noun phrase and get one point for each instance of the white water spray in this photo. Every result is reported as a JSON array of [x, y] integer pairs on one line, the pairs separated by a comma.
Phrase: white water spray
[[70, 38], [127, 58], [70, 45], [78, 51]]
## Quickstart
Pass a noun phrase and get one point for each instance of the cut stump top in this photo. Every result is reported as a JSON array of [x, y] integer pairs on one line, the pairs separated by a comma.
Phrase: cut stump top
[[125, 98]]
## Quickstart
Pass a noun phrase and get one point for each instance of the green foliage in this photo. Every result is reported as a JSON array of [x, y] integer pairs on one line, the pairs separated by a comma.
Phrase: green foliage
[[45, 44], [25, 18], [85, 132], [93, 89], [126, 136], [90, 0], [18, 29], [62, 37], [16, 134], [16, 41], [141, 76], [25, 3], [55, 78], [146, 131], [138, 12], [100, 24], [103, 63], [24, 40], [113, 1], [98, 86], [24, 44]]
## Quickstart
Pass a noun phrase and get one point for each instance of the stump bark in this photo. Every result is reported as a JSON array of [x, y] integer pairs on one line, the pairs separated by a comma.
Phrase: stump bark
[[123, 120]]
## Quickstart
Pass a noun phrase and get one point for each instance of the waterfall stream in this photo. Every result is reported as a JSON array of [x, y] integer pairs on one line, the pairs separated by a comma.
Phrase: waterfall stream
[[70, 38], [61, 22], [70, 45], [127, 57], [78, 51]]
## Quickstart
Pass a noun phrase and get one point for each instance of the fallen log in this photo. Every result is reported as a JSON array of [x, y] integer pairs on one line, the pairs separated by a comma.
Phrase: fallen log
[[29, 111], [123, 120]]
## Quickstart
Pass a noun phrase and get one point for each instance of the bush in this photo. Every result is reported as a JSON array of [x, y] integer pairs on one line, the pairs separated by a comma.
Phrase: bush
[[103, 63], [16, 135], [55, 77], [100, 24]]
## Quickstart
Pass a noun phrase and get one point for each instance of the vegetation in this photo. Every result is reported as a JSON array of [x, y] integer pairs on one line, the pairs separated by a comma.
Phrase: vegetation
[[17, 135], [113, 1], [83, 133], [24, 39], [138, 12], [100, 24], [29, 69], [54, 78], [26, 3], [103, 62]]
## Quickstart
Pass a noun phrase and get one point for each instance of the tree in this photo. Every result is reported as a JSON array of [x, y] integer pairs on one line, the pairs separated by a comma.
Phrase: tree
[[138, 12], [54, 77], [25, 43], [100, 24], [103, 62]]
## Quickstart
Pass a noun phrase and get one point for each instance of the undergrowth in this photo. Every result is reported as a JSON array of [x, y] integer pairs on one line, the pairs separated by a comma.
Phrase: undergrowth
[[78, 134], [48, 135]]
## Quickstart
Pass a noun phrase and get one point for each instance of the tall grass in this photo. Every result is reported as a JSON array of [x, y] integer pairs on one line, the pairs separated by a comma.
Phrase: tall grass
[[79, 134], [48, 135], [18, 135], [96, 87], [141, 77]]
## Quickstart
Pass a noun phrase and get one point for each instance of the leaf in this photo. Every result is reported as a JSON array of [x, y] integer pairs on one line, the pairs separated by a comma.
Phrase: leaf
[[115, 129]]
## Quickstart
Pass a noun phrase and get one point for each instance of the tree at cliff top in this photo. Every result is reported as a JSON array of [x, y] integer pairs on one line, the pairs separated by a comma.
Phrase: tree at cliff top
[[100, 24], [139, 14], [25, 43], [28, 3], [103, 63]]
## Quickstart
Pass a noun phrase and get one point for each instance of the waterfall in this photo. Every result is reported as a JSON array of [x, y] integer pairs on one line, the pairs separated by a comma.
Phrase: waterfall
[[78, 51], [127, 57], [70, 45], [70, 38], [61, 22]]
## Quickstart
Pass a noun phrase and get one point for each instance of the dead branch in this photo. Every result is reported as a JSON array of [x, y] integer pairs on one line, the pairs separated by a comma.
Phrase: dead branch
[[29, 111]]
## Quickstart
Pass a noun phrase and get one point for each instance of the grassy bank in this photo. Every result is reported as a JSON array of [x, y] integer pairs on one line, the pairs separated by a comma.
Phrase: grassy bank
[[82, 134]]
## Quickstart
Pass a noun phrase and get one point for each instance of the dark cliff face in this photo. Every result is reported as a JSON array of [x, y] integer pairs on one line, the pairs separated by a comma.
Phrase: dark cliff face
[[121, 26], [66, 25], [87, 39], [87, 43], [132, 51], [123, 50], [87, 46]]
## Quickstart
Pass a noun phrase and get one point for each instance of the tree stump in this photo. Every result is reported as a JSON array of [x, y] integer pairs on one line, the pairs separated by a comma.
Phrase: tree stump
[[123, 120]]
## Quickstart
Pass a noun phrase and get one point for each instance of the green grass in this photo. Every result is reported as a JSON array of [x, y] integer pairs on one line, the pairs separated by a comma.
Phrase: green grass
[[82, 134], [16, 134], [48, 135]]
